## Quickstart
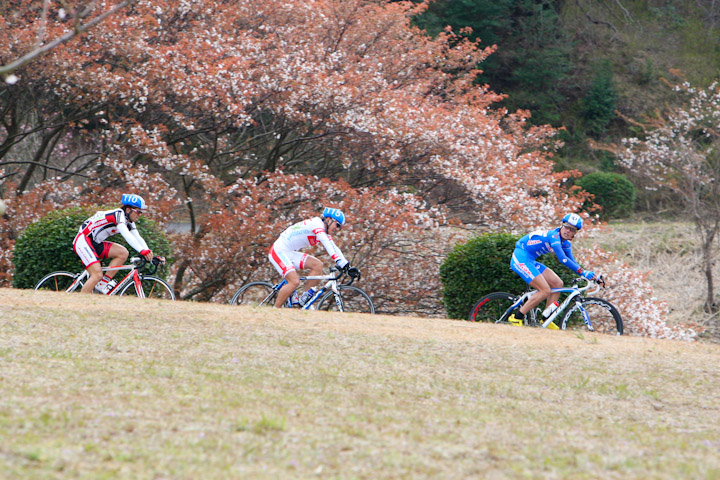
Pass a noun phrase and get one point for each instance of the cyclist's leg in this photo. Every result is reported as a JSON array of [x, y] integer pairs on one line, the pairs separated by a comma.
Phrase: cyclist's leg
[[118, 255], [95, 272], [283, 262], [293, 281], [89, 257], [554, 281], [530, 271], [542, 286], [315, 267]]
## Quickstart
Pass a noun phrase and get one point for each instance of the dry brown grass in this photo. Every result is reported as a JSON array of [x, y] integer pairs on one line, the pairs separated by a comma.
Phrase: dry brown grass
[[669, 252], [96, 387]]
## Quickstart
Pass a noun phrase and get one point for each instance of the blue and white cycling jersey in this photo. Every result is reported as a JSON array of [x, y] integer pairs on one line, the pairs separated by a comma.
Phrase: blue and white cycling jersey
[[537, 243]]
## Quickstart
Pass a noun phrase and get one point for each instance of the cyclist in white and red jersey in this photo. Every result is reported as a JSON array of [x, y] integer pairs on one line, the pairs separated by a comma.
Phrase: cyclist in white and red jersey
[[90, 243], [286, 258]]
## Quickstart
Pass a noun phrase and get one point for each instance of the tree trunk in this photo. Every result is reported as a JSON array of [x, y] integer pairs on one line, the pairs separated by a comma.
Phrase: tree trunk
[[22, 186], [707, 247]]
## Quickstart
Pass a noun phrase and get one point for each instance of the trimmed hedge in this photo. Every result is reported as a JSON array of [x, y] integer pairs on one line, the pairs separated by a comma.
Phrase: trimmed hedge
[[482, 266], [46, 245], [613, 192]]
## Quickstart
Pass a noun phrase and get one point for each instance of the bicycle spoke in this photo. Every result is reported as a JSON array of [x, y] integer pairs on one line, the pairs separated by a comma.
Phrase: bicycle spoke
[[256, 293], [352, 299], [491, 307], [604, 317], [57, 282], [153, 287]]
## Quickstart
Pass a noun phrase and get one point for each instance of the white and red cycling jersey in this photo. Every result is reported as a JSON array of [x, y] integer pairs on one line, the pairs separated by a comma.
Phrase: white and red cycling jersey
[[90, 244], [284, 253]]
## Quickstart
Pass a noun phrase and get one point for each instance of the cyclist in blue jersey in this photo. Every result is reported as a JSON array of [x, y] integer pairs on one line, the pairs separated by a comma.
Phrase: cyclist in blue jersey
[[538, 276]]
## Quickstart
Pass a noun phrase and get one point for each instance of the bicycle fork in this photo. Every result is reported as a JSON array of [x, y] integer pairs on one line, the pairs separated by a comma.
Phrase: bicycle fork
[[561, 309], [585, 315], [309, 305], [579, 305]]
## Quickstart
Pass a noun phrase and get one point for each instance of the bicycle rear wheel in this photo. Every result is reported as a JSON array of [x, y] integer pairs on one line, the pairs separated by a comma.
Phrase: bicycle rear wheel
[[255, 293], [58, 282], [491, 307], [152, 286], [604, 317], [352, 299]]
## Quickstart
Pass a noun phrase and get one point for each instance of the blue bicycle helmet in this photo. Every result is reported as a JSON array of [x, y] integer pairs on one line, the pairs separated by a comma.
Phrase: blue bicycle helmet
[[335, 214], [573, 219], [132, 200]]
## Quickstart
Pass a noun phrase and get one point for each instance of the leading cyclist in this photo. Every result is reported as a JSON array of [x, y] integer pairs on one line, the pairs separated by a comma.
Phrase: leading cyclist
[[90, 244], [524, 263], [286, 258]]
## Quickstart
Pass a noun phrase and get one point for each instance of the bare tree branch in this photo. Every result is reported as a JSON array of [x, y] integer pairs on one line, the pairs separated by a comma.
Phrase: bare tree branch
[[28, 162], [6, 70]]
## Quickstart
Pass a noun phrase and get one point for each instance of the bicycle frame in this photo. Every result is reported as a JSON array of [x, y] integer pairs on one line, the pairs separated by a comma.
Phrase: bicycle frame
[[130, 277], [330, 285], [573, 292]]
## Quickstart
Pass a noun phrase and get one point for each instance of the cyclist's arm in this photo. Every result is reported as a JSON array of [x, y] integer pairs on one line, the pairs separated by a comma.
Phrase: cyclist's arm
[[331, 248], [131, 239], [144, 244], [567, 248], [566, 260]]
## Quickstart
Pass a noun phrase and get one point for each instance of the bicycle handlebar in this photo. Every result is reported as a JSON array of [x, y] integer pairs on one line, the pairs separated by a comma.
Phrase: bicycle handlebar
[[599, 282], [140, 263], [340, 274]]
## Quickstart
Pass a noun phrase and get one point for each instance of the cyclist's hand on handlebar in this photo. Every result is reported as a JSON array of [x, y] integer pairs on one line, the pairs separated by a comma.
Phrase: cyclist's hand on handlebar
[[353, 272], [599, 280], [158, 260], [589, 275], [147, 254]]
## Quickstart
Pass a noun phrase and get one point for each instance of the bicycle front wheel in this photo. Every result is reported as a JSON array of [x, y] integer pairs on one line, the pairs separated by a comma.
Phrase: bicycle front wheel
[[352, 299], [58, 282], [491, 307], [255, 293], [153, 287], [603, 315]]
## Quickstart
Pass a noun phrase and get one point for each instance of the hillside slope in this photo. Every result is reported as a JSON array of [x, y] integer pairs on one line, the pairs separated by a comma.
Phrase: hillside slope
[[122, 388]]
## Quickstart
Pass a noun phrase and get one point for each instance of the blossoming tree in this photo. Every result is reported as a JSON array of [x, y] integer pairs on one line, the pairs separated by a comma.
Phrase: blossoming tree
[[680, 151], [244, 116]]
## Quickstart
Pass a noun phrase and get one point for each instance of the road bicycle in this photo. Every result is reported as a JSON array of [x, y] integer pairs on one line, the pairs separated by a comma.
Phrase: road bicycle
[[135, 283], [596, 314], [332, 296]]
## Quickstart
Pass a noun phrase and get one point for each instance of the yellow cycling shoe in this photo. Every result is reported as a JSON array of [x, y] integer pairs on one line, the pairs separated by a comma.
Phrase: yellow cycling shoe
[[552, 326], [518, 322]]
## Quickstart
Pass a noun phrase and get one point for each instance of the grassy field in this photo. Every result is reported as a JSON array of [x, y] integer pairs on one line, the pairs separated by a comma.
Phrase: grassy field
[[670, 253], [96, 387]]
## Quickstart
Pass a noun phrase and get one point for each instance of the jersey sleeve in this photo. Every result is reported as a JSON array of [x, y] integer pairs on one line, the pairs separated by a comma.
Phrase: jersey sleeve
[[130, 238], [330, 247], [567, 248], [143, 244], [564, 254]]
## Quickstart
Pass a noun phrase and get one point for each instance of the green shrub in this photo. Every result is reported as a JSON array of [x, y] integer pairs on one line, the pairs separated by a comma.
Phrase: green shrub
[[46, 245], [613, 192], [481, 266]]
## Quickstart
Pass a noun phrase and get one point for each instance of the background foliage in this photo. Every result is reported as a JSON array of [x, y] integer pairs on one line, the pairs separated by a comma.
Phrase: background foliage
[[572, 64], [612, 191]]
